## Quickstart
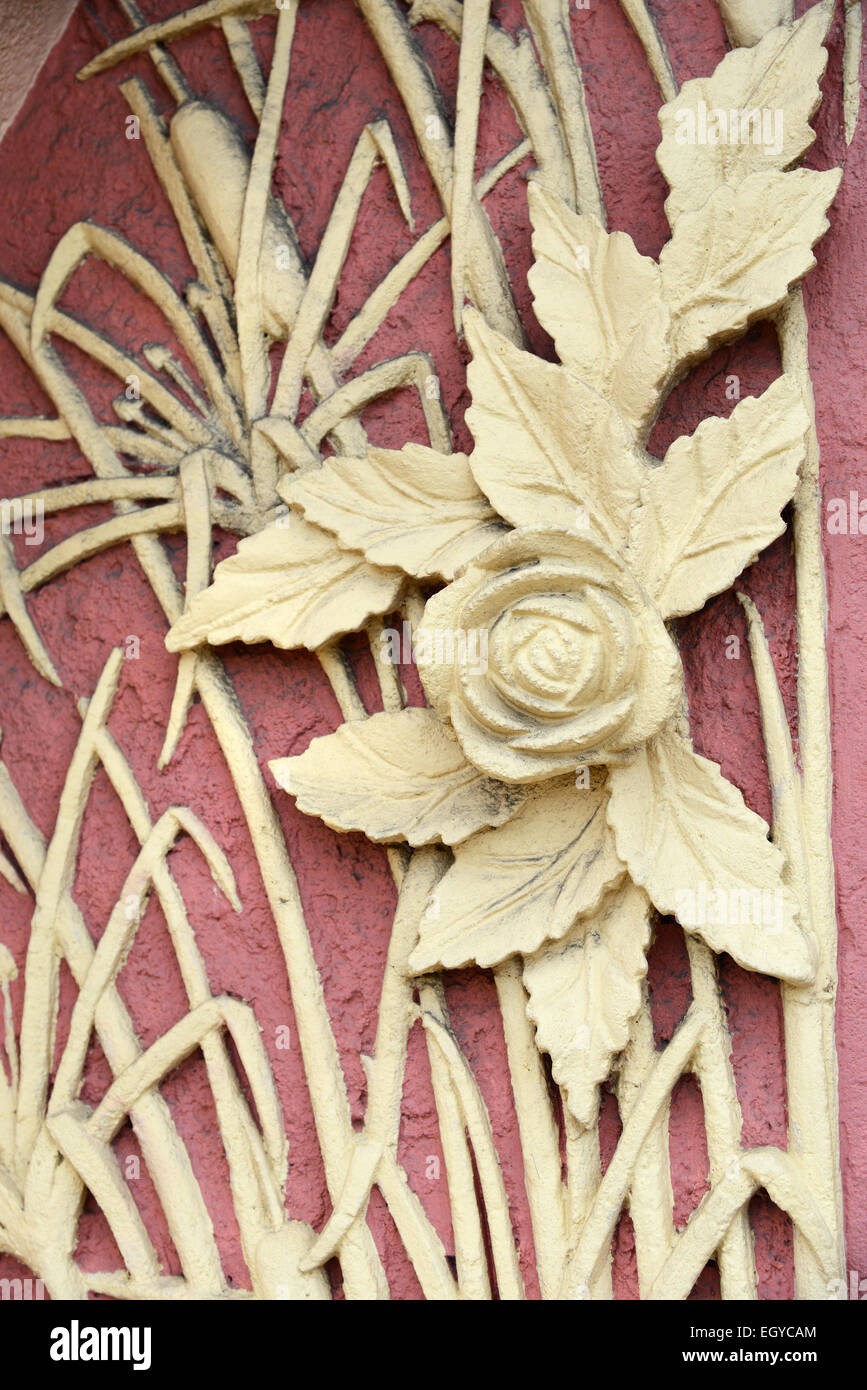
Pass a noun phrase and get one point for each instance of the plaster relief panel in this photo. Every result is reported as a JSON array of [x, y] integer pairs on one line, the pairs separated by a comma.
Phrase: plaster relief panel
[[416, 786]]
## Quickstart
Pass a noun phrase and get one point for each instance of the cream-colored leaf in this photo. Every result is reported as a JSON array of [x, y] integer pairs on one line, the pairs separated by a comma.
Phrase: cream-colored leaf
[[715, 501], [585, 989], [291, 584], [602, 304], [747, 20], [690, 840], [412, 508], [396, 776], [549, 450], [760, 100], [734, 259], [513, 888]]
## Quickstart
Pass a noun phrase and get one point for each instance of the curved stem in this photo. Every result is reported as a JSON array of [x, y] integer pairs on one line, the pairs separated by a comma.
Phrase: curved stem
[[540, 1138], [722, 1118], [611, 1194]]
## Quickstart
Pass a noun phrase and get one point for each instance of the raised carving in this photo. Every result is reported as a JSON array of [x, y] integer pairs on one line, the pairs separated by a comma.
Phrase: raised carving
[[549, 791]]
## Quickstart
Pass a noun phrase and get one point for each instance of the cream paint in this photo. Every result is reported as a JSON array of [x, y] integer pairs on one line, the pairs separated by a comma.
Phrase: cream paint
[[507, 750]]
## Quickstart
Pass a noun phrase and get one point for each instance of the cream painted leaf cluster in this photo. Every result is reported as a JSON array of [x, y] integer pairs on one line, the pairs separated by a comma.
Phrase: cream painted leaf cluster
[[552, 757]]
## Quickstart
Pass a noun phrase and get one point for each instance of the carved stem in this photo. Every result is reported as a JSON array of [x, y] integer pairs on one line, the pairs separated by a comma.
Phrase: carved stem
[[811, 1058], [722, 1118], [488, 280], [611, 1194], [540, 1138]]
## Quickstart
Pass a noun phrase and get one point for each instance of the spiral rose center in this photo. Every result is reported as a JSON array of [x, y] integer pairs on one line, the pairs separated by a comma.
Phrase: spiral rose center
[[549, 653], [579, 665]]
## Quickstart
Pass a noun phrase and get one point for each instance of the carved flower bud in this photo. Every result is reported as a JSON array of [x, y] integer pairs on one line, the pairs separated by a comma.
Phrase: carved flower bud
[[545, 653], [216, 164]]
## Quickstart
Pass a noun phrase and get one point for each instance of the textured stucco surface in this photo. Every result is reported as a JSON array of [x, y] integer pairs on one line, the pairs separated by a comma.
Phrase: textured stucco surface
[[86, 168], [28, 32]]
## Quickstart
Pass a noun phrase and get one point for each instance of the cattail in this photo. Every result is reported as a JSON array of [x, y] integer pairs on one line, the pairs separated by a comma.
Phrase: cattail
[[215, 162]]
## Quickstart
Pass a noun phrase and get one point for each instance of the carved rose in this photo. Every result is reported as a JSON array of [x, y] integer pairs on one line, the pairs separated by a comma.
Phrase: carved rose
[[579, 664], [564, 548]]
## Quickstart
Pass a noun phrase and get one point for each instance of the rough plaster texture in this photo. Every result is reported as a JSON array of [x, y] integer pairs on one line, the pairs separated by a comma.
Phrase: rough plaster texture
[[86, 168], [28, 32]]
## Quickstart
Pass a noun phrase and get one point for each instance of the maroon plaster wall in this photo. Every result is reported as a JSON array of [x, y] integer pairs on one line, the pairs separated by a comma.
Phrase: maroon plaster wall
[[66, 158]]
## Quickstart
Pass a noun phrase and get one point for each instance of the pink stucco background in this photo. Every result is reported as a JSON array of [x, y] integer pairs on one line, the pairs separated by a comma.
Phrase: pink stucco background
[[66, 158]]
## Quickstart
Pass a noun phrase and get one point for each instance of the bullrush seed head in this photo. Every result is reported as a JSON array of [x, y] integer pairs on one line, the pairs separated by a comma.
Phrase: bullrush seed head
[[215, 162]]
